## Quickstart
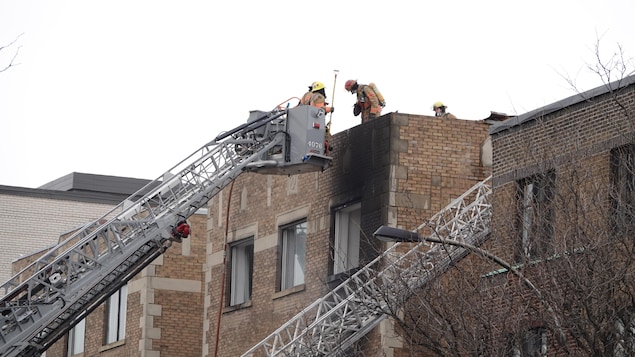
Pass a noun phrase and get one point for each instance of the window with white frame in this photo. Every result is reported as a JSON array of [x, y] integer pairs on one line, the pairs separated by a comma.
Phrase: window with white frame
[[623, 194], [347, 238], [536, 195], [76, 338], [293, 255], [241, 257], [116, 306]]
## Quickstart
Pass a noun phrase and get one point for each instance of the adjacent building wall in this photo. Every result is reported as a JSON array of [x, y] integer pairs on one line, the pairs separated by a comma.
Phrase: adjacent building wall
[[573, 139], [164, 314], [580, 132], [34, 219], [164, 302]]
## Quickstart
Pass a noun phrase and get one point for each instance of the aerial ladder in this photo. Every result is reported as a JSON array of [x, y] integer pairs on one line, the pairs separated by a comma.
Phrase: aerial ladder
[[46, 299], [333, 323]]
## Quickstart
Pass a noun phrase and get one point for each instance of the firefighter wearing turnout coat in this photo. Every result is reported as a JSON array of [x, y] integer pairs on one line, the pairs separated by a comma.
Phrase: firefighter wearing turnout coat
[[316, 96], [369, 100]]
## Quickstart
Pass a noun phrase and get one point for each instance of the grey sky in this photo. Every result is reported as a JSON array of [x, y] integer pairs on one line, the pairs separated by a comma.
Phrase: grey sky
[[129, 88]]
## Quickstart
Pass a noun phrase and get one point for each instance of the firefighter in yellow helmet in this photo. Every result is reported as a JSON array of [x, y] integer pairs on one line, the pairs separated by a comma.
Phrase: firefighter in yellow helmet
[[439, 111], [316, 96], [369, 100]]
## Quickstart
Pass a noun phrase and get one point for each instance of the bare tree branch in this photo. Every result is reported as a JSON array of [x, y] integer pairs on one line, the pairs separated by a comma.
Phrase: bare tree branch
[[15, 55]]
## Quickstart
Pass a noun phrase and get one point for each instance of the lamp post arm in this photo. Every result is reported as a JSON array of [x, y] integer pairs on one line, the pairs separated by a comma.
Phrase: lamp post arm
[[560, 334]]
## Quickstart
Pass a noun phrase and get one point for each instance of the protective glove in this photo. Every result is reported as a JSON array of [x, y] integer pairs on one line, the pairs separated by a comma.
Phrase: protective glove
[[372, 116], [356, 109], [332, 110]]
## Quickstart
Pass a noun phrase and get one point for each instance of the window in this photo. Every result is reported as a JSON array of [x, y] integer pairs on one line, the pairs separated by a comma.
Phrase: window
[[116, 315], [625, 342], [623, 194], [293, 256], [533, 343], [347, 238], [241, 258], [536, 216], [76, 339]]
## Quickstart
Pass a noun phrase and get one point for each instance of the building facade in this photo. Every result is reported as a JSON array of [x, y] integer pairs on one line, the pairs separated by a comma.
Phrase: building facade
[[563, 213], [35, 219], [277, 243], [556, 276], [159, 312], [268, 246]]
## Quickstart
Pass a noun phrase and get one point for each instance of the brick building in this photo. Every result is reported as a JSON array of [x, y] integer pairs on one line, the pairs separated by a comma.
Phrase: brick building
[[291, 239], [564, 187], [158, 309], [37, 218], [158, 313], [562, 224], [564, 191]]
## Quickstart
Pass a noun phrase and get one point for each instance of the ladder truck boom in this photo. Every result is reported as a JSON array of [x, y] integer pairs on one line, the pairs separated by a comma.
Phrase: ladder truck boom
[[46, 299]]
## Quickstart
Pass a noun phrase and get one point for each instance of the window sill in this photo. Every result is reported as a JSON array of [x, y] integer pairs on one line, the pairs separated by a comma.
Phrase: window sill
[[244, 305], [290, 291], [112, 345]]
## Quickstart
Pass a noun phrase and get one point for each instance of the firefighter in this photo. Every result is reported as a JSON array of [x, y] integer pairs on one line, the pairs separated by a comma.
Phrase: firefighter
[[439, 111], [316, 96], [306, 98], [369, 101]]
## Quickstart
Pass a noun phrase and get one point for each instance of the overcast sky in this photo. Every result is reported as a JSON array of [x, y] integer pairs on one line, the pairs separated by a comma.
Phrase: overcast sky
[[129, 88]]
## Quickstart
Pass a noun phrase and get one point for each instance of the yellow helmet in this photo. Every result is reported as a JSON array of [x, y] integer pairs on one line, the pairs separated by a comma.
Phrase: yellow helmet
[[438, 105], [317, 86]]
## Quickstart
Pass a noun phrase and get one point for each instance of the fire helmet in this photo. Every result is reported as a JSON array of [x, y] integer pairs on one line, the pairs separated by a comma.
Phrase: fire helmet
[[438, 105], [316, 86], [349, 84]]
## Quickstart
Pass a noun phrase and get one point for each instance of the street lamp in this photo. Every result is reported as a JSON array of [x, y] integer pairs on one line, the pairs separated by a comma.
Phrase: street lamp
[[391, 234]]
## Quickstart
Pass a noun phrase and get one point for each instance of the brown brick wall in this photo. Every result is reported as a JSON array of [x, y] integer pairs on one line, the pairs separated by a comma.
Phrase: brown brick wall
[[162, 315], [441, 160], [402, 166], [575, 142], [584, 129]]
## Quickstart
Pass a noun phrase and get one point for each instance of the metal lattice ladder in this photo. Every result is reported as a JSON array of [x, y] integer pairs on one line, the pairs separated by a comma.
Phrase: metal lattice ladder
[[333, 323]]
